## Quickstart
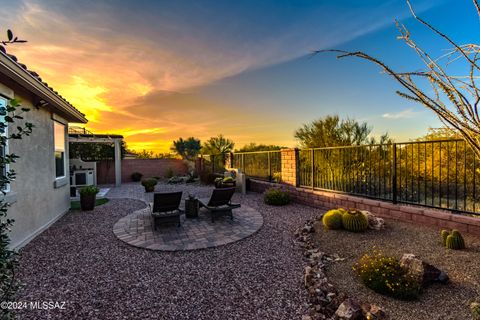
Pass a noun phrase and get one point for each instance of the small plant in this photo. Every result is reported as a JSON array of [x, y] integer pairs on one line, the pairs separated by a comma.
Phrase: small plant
[[444, 234], [88, 197], [149, 184], [332, 220], [169, 173], [355, 221], [455, 241], [89, 190], [228, 180], [136, 176], [384, 275], [475, 310], [276, 197], [277, 177]]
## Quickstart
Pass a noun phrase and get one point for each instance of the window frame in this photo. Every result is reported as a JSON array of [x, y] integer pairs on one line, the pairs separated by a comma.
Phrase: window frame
[[6, 148], [55, 122]]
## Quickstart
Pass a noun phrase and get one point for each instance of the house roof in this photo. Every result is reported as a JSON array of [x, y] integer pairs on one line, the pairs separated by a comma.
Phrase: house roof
[[30, 80]]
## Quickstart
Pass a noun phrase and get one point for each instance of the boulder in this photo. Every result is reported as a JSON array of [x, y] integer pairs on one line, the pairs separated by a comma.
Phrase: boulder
[[425, 273], [350, 309], [308, 276], [374, 222]]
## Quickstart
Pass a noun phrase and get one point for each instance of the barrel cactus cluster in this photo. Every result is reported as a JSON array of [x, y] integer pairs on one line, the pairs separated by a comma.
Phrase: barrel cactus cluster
[[332, 220], [351, 220], [355, 221], [452, 240]]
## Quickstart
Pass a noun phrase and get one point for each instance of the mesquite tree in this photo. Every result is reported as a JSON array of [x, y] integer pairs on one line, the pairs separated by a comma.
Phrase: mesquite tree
[[454, 98], [10, 114]]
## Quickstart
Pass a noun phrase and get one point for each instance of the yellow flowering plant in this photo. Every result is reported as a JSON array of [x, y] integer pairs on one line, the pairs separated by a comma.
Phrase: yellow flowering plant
[[383, 274]]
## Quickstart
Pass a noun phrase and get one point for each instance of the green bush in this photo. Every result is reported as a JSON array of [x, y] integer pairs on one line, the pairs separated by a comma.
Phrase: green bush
[[89, 190], [149, 184], [136, 176], [276, 197], [228, 179], [384, 275], [355, 221], [333, 219], [169, 173]]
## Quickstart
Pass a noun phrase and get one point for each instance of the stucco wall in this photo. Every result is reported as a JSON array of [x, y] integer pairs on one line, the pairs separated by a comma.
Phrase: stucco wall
[[38, 203]]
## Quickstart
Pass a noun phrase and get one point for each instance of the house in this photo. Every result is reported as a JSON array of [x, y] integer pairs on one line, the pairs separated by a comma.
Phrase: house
[[40, 195]]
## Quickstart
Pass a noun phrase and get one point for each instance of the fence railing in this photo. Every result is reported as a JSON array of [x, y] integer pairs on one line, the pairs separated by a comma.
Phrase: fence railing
[[265, 165], [214, 162], [440, 174]]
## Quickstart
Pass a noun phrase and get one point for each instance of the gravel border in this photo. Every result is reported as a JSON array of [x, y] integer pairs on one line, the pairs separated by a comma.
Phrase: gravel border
[[438, 301], [79, 260]]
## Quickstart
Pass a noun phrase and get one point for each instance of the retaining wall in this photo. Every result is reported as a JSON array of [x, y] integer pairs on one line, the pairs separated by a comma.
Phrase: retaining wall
[[442, 219]]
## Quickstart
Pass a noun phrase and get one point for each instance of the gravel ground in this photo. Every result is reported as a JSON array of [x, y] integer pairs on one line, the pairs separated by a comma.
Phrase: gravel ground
[[436, 302], [79, 260]]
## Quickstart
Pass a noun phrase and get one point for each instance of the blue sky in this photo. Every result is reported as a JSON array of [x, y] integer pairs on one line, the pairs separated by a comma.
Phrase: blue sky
[[158, 70]]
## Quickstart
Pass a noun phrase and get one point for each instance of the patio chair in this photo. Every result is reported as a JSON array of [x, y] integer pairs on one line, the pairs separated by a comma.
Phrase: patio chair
[[220, 203], [166, 208]]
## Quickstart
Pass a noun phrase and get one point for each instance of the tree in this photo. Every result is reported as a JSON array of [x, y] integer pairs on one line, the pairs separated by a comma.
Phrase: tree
[[187, 149], [259, 147], [8, 258], [94, 151], [330, 131], [144, 154], [218, 145], [454, 99]]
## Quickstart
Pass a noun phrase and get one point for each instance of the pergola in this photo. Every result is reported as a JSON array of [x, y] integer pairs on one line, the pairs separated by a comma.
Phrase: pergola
[[83, 135]]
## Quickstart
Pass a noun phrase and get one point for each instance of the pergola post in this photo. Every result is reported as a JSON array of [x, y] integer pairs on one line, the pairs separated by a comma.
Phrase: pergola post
[[118, 162]]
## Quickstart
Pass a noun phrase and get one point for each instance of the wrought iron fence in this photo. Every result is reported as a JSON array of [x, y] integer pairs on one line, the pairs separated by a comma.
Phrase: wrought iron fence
[[265, 165], [215, 163], [440, 174]]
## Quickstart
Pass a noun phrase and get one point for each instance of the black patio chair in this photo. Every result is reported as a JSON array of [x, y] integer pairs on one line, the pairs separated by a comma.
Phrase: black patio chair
[[166, 208], [220, 203]]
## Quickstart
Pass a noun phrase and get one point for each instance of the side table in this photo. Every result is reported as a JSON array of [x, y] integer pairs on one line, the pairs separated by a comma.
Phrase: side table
[[191, 208]]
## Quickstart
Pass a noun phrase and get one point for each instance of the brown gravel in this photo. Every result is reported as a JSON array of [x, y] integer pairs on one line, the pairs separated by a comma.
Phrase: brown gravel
[[79, 260], [436, 302]]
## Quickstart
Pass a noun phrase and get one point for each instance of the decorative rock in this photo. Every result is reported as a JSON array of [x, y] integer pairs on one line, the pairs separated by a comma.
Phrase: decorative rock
[[308, 276], [425, 273], [475, 310], [373, 312], [374, 222], [350, 309], [306, 317]]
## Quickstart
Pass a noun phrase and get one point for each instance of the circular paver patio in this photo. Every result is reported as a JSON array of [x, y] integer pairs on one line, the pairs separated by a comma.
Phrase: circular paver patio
[[137, 230]]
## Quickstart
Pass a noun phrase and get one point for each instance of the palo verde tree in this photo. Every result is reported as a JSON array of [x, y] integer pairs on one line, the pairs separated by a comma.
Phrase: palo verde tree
[[331, 131], [9, 130], [453, 97], [187, 149]]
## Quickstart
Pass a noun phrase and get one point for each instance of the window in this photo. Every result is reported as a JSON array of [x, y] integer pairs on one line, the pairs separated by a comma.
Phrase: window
[[4, 149], [59, 140]]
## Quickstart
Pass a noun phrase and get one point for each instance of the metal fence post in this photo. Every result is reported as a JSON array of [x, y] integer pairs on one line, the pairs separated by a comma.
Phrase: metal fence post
[[269, 167], [394, 174], [312, 179]]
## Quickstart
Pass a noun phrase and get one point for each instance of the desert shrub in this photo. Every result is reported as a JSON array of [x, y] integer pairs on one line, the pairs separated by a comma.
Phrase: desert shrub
[[277, 177], [169, 173], [333, 219], [384, 275], [149, 184], [136, 176], [207, 177], [276, 197]]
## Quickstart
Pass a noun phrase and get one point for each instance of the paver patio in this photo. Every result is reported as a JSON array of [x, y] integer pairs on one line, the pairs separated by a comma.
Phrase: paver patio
[[79, 260]]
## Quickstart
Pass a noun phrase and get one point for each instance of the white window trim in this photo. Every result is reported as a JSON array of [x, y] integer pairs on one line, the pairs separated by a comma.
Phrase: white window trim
[[58, 179], [7, 167]]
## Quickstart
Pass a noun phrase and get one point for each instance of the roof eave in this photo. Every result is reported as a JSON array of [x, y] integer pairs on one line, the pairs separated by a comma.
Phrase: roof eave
[[23, 77]]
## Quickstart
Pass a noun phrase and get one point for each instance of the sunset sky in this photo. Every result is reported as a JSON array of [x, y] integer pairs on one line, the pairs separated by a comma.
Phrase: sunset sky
[[154, 71]]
